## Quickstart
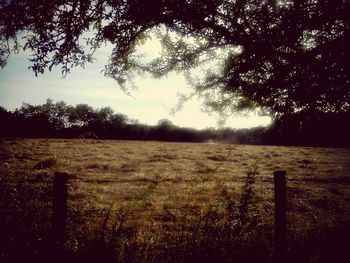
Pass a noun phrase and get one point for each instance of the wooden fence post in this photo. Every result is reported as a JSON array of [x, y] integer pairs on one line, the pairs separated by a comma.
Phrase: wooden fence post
[[280, 216], [59, 207]]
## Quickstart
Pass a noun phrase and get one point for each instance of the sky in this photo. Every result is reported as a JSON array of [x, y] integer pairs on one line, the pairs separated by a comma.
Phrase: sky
[[153, 100]]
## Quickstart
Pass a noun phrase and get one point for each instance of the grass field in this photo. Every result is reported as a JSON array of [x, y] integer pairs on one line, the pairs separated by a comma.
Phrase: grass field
[[132, 201]]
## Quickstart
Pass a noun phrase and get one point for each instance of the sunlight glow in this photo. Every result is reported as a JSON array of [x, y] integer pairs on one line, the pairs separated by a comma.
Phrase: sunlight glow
[[153, 100]]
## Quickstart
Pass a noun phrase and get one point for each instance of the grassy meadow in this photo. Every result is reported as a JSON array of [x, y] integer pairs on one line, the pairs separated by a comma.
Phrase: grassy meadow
[[133, 201]]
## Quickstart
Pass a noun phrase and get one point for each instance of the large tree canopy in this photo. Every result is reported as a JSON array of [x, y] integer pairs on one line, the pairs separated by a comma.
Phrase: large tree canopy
[[283, 56]]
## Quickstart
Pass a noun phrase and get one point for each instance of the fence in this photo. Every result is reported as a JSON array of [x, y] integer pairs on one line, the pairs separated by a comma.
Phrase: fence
[[280, 215], [60, 212], [59, 207]]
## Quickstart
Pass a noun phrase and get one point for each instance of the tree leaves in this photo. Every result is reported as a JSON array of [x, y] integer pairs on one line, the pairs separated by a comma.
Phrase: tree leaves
[[285, 56]]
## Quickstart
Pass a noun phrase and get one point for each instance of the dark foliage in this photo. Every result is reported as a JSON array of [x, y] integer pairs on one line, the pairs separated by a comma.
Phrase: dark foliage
[[58, 120], [311, 129], [283, 57]]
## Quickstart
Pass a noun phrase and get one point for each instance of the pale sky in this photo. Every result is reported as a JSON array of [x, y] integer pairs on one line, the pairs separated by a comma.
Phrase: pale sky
[[152, 101]]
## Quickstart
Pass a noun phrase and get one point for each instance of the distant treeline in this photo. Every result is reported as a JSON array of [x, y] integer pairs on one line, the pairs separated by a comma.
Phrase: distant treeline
[[59, 120]]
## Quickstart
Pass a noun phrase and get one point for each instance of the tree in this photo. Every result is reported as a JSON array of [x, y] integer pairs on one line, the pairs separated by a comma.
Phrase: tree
[[280, 56], [165, 124], [105, 113], [118, 120], [84, 113]]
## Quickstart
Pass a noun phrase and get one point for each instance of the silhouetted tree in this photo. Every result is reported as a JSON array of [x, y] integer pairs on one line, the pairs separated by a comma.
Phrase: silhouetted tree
[[61, 114], [281, 56], [311, 129], [84, 114], [5, 122], [34, 120], [165, 125], [119, 120], [105, 113], [59, 120]]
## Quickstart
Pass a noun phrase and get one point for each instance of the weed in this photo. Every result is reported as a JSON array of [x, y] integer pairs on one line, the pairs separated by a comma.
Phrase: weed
[[247, 195], [48, 163], [97, 165], [305, 163]]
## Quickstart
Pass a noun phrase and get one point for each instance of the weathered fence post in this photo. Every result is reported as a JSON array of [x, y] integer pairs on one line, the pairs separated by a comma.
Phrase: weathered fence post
[[59, 207], [280, 215]]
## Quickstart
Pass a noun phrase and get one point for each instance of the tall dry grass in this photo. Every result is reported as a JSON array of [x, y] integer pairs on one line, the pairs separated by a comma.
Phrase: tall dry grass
[[135, 201]]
